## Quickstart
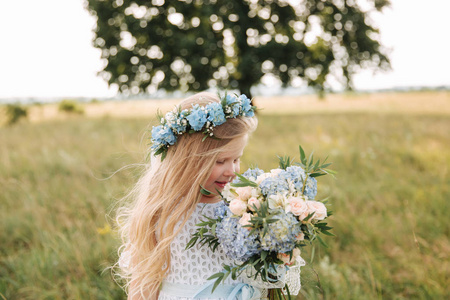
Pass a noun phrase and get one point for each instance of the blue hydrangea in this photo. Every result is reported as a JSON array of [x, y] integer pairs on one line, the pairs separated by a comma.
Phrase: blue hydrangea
[[220, 211], [294, 173], [250, 174], [246, 106], [215, 114], [179, 125], [233, 103], [297, 175], [311, 188], [236, 240], [273, 186], [197, 117], [282, 235], [162, 135]]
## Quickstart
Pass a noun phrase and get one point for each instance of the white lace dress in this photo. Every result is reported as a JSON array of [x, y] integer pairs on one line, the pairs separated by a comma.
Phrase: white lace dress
[[195, 265], [192, 267]]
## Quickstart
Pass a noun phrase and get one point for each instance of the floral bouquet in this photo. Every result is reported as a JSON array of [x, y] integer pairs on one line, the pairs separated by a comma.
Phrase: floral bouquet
[[265, 220]]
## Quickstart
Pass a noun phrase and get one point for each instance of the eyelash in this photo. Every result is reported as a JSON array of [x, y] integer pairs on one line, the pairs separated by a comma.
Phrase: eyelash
[[222, 162]]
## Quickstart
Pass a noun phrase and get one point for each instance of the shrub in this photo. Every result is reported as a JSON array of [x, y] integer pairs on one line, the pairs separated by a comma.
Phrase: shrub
[[70, 106], [14, 112]]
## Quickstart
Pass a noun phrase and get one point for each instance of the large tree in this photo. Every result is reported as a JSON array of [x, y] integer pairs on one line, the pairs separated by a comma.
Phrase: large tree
[[197, 44]]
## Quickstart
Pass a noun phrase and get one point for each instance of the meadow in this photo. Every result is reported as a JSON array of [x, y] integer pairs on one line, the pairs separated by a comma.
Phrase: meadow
[[62, 176]]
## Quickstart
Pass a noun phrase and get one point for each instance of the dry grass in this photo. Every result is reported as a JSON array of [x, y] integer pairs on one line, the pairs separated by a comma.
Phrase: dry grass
[[390, 199], [411, 103]]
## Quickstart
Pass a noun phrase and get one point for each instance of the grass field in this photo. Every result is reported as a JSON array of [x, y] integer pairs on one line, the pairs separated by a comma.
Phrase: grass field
[[390, 198]]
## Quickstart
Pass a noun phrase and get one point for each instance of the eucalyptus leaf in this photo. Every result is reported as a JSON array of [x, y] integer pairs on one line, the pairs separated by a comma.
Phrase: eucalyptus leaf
[[302, 155]]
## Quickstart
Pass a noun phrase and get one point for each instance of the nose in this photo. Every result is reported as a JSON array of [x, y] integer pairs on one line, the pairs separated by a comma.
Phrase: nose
[[230, 169]]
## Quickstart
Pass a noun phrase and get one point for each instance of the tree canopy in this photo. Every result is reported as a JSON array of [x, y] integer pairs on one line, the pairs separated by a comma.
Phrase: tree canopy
[[197, 44]]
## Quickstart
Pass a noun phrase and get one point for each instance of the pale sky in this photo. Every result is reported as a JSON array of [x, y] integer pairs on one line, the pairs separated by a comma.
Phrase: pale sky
[[46, 49]]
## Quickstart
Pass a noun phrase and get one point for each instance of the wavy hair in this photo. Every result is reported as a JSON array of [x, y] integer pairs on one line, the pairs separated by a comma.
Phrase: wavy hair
[[166, 193]]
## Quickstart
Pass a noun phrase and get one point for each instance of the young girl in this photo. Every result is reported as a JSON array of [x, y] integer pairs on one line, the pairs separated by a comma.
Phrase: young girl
[[167, 201]]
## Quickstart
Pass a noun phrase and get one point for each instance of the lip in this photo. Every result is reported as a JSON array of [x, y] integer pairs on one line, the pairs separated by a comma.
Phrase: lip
[[221, 184]]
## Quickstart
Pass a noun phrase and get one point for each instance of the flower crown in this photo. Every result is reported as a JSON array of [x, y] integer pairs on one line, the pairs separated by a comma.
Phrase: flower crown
[[198, 118]]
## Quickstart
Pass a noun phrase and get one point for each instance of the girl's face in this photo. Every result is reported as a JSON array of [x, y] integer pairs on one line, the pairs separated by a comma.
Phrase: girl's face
[[224, 169]]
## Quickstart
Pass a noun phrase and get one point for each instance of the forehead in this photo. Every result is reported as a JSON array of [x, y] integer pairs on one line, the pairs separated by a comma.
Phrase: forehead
[[235, 148]]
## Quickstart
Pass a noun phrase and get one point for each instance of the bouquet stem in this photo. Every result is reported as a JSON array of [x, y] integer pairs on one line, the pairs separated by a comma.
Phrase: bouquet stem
[[277, 294]]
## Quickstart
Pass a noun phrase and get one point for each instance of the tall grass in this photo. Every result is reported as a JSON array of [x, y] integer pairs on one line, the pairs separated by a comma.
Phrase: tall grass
[[390, 203]]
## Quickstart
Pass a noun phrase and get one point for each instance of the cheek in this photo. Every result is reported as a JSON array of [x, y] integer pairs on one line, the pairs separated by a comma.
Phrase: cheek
[[214, 174]]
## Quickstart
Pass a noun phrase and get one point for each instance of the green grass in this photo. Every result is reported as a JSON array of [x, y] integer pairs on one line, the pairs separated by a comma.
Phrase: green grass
[[390, 203]]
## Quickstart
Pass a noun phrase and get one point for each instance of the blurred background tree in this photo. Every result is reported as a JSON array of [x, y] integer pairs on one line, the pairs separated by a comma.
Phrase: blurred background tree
[[192, 45]]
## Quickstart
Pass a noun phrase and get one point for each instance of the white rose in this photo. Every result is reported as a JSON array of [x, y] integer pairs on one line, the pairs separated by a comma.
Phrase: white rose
[[244, 192], [277, 201], [275, 172], [238, 207], [245, 220], [226, 193], [256, 192], [263, 176], [318, 208], [253, 202]]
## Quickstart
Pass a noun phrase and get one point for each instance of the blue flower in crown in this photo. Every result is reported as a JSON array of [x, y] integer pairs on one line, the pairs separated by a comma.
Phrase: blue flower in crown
[[179, 123], [247, 109], [162, 135], [233, 106], [197, 117], [215, 113]]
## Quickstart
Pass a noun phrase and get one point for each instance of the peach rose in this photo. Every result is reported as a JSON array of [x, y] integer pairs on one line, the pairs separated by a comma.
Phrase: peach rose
[[318, 208], [245, 220], [285, 257], [300, 236], [253, 202], [298, 207], [238, 207], [244, 192]]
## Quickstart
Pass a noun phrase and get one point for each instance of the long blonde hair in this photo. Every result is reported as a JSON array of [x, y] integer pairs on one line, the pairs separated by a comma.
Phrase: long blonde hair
[[168, 192]]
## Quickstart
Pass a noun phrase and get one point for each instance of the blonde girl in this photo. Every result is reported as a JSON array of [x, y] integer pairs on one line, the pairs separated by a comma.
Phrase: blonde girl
[[167, 201]]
